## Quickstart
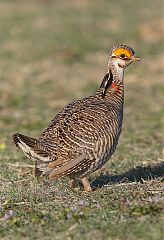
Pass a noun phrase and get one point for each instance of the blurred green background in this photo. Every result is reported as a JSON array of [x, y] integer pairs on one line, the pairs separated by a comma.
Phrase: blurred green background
[[52, 52]]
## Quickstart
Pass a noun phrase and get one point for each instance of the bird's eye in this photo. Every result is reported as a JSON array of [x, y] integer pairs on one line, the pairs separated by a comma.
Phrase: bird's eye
[[122, 55]]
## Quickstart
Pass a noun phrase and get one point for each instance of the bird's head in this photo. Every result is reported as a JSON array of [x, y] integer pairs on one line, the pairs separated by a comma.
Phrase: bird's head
[[121, 56]]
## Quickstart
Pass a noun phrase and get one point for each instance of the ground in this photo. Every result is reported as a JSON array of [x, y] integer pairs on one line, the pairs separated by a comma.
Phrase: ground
[[52, 52]]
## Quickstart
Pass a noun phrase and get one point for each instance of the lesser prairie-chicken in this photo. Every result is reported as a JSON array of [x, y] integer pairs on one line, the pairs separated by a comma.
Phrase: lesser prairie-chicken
[[83, 136]]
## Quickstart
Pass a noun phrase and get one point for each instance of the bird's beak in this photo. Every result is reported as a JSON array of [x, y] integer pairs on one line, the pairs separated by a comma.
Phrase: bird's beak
[[135, 59]]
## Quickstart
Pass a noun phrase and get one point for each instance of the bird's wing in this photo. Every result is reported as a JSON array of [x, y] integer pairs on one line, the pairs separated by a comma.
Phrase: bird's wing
[[73, 139], [68, 168]]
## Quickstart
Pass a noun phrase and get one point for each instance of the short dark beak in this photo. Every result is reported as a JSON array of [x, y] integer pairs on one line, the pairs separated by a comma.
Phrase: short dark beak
[[135, 59]]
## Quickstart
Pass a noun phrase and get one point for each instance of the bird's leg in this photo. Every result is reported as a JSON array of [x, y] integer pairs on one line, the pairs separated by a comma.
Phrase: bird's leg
[[86, 184], [37, 173], [74, 184]]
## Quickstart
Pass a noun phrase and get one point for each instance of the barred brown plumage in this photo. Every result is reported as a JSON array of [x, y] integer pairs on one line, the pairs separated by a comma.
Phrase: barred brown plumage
[[84, 135]]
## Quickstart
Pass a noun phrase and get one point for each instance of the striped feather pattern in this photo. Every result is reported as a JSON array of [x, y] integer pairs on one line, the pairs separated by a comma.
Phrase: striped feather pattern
[[83, 136], [89, 127]]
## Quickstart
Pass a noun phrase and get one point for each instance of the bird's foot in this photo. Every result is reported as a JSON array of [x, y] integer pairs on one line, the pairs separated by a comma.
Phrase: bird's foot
[[74, 185], [86, 184]]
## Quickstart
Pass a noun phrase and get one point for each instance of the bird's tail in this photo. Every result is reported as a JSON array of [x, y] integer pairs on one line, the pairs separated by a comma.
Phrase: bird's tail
[[35, 150]]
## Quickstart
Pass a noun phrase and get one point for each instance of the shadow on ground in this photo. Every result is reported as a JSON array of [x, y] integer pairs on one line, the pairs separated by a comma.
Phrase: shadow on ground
[[138, 174]]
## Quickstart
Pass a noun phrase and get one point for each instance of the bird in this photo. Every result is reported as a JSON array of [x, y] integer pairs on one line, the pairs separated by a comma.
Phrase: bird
[[83, 136]]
